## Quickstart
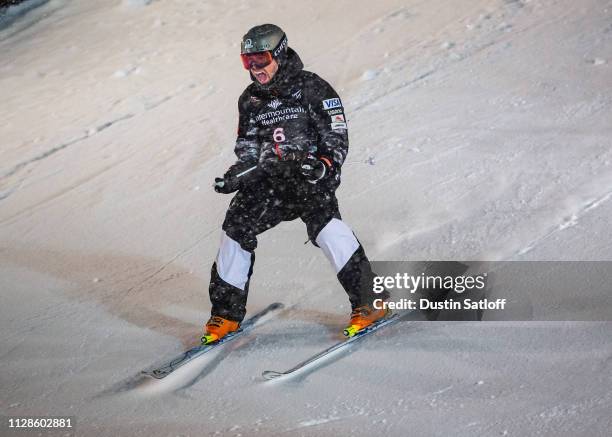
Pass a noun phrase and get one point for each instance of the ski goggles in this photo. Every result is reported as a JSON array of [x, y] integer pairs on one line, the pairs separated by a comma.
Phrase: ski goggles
[[257, 60]]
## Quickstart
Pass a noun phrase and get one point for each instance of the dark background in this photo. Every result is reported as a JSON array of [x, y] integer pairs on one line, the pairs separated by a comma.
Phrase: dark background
[[4, 3]]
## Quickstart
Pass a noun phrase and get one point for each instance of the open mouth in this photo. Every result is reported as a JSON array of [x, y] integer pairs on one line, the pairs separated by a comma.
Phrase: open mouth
[[261, 77]]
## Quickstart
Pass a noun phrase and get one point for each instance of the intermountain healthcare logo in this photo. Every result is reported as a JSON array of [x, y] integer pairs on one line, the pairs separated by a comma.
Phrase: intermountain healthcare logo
[[280, 115], [274, 104]]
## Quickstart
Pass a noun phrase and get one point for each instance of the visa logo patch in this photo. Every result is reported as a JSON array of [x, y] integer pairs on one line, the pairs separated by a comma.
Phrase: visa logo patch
[[332, 103]]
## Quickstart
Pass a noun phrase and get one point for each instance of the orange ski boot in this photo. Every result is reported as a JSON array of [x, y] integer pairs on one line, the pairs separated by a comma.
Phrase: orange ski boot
[[217, 328], [363, 317]]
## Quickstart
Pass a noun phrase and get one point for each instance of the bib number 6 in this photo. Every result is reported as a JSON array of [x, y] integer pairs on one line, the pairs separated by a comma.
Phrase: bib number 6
[[278, 135]]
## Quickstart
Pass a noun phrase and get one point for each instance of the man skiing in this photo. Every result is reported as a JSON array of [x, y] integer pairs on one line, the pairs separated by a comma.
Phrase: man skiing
[[292, 141]]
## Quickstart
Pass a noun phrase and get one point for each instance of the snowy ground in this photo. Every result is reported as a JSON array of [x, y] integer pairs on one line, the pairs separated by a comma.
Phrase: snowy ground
[[479, 129]]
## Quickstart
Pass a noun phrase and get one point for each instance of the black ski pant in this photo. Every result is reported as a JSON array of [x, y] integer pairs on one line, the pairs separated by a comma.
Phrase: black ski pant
[[255, 210]]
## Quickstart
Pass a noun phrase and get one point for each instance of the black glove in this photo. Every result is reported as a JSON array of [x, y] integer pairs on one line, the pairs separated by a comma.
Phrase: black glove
[[235, 178], [314, 169], [279, 168], [281, 162], [225, 186]]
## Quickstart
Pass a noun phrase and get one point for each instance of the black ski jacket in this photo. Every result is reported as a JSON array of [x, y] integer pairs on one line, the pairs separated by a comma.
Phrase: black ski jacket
[[296, 114]]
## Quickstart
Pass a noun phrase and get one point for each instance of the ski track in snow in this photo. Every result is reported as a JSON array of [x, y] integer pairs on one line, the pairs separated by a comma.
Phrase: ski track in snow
[[62, 146], [569, 221], [91, 132]]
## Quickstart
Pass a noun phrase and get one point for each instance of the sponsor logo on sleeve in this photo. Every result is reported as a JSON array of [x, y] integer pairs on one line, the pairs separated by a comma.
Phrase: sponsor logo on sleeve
[[335, 111], [332, 103], [338, 126], [339, 118]]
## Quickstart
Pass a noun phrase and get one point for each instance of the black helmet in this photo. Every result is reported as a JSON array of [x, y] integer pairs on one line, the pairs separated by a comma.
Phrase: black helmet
[[265, 38]]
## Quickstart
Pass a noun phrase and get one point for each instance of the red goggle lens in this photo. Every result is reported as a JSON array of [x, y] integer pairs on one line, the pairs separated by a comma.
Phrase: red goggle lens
[[258, 60]]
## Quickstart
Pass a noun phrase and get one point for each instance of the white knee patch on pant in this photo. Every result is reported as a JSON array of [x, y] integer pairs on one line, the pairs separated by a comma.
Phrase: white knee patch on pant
[[233, 262], [337, 242]]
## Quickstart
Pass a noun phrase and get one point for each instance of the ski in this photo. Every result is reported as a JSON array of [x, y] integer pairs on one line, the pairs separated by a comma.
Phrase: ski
[[389, 320], [197, 351]]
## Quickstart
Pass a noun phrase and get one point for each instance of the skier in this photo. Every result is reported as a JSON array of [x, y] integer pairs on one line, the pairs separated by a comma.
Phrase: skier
[[292, 141]]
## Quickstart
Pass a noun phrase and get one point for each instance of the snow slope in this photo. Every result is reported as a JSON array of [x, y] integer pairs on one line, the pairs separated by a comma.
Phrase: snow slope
[[479, 130]]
